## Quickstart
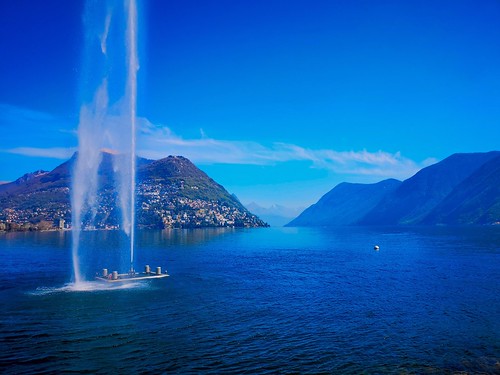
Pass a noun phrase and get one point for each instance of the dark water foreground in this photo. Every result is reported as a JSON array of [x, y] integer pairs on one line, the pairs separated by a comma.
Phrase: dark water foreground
[[257, 301]]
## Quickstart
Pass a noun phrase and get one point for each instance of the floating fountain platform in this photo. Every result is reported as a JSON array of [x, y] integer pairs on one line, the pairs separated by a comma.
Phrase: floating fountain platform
[[131, 276]]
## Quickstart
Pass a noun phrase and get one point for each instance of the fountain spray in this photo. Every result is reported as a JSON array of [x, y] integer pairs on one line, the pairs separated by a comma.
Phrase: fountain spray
[[107, 117], [133, 67]]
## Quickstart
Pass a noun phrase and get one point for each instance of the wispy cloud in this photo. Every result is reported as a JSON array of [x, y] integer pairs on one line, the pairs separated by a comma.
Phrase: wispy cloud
[[24, 127], [12, 113], [30, 129], [54, 152], [157, 142]]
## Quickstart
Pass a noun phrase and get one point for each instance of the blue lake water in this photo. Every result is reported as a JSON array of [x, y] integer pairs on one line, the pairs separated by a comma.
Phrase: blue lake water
[[286, 300]]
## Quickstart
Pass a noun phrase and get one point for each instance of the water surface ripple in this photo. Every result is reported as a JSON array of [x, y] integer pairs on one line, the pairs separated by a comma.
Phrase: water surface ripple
[[258, 301]]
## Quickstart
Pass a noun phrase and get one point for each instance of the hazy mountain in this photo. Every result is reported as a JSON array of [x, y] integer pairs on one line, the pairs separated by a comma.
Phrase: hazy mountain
[[461, 189], [171, 192], [275, 215], [475, 200], [345, 204], [420, 194]]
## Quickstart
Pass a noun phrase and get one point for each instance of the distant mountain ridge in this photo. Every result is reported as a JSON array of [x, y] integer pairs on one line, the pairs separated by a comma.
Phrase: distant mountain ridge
[[345, 204], [171, 192], [476, 199], [276, 215], [463, 189]]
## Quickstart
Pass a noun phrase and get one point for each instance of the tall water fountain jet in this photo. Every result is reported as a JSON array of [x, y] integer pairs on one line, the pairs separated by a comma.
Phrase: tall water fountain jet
[[107, 117], [133, 67]]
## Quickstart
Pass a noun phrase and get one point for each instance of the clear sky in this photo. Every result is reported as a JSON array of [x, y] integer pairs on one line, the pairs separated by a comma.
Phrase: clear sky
[[276, 100]]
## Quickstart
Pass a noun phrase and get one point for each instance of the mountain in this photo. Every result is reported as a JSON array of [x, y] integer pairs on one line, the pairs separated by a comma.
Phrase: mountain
[[420, 194], [345, 204], [474, 200], [276, 215], [463, 189], [171, 192], [193, 183]]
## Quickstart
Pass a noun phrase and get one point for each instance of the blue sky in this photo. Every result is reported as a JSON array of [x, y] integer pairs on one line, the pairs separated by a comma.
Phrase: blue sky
[[276, 100]]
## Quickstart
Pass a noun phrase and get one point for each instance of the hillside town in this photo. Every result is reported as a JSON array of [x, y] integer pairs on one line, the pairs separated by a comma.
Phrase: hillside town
[[159, 206]]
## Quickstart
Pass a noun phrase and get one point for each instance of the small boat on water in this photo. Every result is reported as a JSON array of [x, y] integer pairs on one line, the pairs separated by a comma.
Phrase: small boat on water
[[115, 277]]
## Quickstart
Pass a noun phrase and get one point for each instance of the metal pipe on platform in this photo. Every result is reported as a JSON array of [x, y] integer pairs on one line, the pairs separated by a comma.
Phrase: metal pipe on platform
[[147, 269], [104, 272], [158, 270], [115, 275]]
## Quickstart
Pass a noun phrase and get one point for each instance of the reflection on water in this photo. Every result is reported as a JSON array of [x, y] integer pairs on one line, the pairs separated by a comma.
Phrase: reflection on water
[[184, 237]]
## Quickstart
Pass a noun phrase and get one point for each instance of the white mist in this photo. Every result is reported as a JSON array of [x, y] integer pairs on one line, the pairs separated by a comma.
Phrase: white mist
[[107, 118]]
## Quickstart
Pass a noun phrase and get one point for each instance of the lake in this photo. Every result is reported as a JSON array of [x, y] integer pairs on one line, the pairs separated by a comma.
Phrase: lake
[[268, 300]]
